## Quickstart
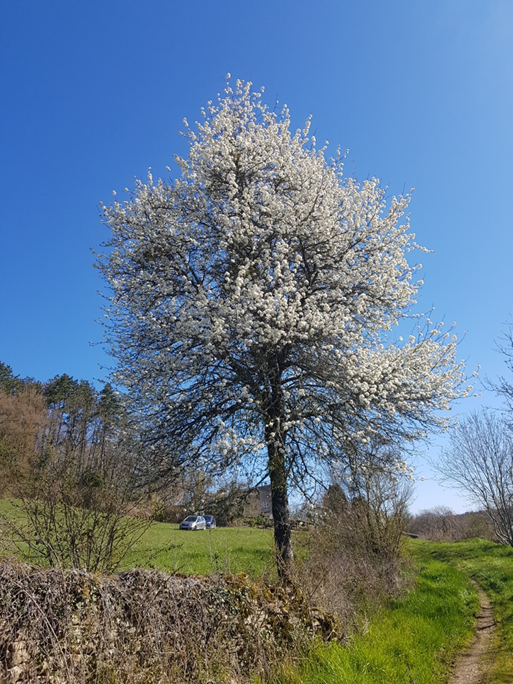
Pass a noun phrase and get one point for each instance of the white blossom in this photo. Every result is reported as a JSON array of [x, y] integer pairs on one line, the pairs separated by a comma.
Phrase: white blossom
[[256, 301]]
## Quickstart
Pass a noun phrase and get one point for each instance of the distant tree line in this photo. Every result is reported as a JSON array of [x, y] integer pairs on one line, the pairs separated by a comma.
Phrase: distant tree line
[[64, 416], [442, 524]]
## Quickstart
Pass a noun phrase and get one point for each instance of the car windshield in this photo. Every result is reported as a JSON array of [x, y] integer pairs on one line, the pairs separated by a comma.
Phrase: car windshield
[[190, 518], [209, 518]]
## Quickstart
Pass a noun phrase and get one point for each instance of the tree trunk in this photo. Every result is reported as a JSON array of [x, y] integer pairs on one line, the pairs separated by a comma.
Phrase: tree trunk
[[280, 510], [276, 437], [279, 498]]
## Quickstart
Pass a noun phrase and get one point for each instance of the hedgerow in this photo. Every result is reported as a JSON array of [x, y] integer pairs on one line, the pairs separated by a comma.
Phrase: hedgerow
[[141, 626]]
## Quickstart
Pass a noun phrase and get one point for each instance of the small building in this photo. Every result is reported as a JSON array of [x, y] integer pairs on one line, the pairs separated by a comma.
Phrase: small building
[[258, 502]]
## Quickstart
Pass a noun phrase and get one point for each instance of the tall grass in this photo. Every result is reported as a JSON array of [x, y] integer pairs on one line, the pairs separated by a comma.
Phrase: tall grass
[[491, 566], [415, 640]]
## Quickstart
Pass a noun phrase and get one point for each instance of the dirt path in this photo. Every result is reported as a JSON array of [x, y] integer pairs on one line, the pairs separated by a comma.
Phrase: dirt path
[[476, 661]]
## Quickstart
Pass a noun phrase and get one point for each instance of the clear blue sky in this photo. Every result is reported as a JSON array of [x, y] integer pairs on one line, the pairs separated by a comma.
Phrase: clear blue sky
[[94, 93]]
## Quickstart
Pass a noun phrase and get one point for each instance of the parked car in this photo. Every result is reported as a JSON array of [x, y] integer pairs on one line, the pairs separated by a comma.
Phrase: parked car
[[193, 522], [211, 522]]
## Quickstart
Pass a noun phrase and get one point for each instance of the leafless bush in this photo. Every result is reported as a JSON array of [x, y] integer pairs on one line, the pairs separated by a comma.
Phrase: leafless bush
[[71, 516], [70, 627], [71, 464], [75, 512], [354, 550]]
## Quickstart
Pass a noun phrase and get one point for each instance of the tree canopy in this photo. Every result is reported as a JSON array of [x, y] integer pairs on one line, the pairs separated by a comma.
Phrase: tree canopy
[[254, 306]]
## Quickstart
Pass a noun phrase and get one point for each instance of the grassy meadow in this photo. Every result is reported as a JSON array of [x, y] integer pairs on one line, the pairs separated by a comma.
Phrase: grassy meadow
[[165, 547], [225, 549], [414, 640]]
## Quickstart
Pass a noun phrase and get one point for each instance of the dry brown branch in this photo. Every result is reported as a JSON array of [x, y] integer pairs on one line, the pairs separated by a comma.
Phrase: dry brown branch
[[71, 627]]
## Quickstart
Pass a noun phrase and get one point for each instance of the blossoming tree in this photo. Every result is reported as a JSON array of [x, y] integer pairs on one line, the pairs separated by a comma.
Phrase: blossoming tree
[[254, 308]]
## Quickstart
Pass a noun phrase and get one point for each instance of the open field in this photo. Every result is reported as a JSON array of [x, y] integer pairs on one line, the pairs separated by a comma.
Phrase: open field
[[164, 547], [225, 549]]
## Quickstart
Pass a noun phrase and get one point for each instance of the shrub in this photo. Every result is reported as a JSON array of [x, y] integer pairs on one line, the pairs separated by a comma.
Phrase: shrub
[[353, 560], [442, 524], [73, 515]]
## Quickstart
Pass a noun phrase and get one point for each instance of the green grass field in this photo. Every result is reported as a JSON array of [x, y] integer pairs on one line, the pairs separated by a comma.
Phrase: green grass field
[[164, 547], [225, 549], [416, 640]]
